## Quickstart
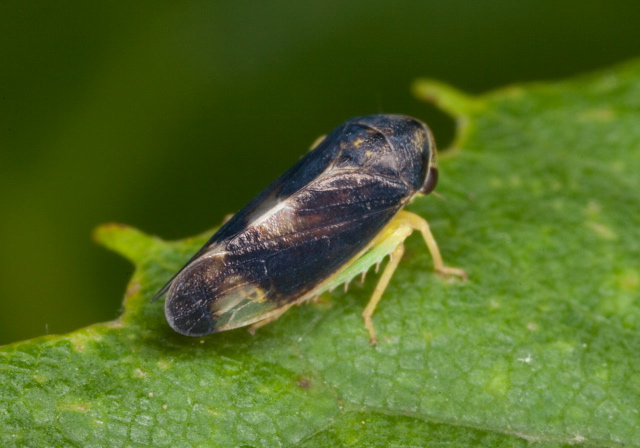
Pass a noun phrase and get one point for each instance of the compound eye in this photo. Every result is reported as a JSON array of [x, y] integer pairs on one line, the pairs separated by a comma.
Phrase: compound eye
[[431, 181]]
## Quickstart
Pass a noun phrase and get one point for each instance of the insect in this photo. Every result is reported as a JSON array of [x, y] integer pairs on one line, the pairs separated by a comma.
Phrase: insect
[[328, 219]]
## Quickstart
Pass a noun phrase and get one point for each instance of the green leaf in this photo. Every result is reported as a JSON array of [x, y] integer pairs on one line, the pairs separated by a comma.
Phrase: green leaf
[[539, 348]]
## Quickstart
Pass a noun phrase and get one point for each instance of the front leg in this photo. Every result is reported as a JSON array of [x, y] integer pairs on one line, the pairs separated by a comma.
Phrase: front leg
[[418, 223]]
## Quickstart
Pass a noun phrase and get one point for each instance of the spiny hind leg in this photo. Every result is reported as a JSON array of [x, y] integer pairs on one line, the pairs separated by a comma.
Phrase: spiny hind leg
[[261, 323], [391, 241], [389, 269], [418, 223]]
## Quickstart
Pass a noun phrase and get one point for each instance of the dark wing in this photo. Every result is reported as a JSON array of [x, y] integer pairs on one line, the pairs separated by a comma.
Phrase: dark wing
[[284, 253], [316, 231], [296, 177]]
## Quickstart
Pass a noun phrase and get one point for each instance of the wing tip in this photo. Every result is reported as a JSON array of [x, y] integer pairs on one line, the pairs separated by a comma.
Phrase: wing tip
[[162, 292]]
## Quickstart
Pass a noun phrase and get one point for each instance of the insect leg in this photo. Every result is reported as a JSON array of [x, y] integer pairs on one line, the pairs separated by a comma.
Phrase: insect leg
[[418, 223], [394, 259], [226, 218], [316, 142], [253, 328]]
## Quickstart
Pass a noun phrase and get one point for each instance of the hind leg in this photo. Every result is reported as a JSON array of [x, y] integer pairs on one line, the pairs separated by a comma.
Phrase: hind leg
[[261, 323], [395, 234], [389, 269]]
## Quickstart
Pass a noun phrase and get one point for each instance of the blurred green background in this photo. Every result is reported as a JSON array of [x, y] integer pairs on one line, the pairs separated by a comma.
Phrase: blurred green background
[[169, 115]]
